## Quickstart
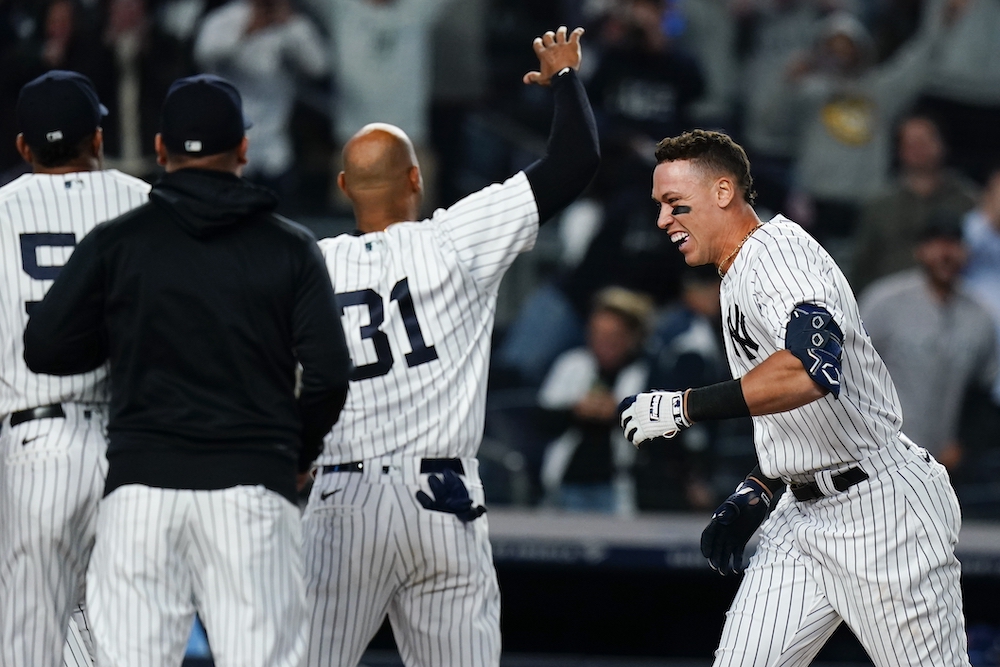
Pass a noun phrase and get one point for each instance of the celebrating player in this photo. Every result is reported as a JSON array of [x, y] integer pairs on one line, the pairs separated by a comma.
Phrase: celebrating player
[[394, 523], [52, 446], [204, 301], [867, 533]]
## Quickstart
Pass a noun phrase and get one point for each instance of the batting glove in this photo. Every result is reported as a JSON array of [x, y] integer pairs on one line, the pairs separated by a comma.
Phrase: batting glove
[[451, 496], [653, 414], [726, 536]]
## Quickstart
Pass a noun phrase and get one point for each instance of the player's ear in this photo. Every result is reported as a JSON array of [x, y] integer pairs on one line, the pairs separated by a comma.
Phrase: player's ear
[[23, 149], [342, 184], [416, 180], [97, 143], [724, 192], [241, 151], [161, 150]]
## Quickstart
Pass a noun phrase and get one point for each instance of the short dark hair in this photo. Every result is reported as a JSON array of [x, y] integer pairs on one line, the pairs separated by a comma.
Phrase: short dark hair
[[712, 150], [60, 153]]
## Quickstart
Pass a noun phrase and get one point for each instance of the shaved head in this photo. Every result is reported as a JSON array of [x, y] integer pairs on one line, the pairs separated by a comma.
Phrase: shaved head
[[381, 177], [377, 157]]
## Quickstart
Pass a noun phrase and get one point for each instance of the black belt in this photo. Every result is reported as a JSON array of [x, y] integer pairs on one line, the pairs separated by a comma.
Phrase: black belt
[[426, 466], [841, 481], [44, 412]]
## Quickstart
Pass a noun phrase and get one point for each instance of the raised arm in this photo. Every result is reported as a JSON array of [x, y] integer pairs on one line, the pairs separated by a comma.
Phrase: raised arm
[[573, 152]]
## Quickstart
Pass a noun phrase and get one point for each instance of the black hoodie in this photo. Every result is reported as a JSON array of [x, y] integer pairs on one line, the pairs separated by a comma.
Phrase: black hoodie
[[203, 300]]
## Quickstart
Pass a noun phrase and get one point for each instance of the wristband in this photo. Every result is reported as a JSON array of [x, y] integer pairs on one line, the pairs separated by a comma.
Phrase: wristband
[[723, 400]]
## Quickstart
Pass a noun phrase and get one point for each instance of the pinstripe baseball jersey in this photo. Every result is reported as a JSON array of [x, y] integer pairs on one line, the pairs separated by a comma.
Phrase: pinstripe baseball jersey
[[781, 266], [51, 470], [417, 303], [42, 217]]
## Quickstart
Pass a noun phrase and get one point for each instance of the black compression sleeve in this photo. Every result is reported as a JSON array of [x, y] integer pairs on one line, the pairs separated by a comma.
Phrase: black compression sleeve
[[772, 484], [723, 400], [573, 152]]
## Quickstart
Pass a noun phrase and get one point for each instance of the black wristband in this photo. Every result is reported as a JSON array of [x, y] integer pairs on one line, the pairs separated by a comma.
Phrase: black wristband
[[723, 400], [772, 484]]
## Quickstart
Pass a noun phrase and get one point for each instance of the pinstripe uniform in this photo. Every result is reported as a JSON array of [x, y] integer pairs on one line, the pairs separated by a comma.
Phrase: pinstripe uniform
[[418, 303], [51, 469], [878, 556]]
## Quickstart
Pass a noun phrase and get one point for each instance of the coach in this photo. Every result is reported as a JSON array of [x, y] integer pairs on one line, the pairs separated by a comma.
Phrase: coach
[[204, 302]]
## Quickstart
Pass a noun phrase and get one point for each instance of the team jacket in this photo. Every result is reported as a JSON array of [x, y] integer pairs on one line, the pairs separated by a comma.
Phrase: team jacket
[[204, 301]]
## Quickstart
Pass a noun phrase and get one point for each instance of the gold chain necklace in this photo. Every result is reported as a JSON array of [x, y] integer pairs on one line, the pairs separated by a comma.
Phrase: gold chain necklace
[[725, 262]]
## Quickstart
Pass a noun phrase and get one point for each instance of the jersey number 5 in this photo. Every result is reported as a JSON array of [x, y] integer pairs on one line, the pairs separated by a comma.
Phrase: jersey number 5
[[30, 243], [420, 353]]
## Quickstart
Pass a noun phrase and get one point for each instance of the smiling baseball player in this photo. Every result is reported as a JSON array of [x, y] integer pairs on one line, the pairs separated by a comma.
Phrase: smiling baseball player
[[52, 445], [394, 524], [867, 533]]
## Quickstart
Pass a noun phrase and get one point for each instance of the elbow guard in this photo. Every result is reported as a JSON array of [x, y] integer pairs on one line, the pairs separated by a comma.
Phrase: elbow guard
[[815, 339]]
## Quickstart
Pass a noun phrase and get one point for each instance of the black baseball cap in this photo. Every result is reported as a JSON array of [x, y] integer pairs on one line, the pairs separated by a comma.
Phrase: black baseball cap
[[202, 115], [58, 107]]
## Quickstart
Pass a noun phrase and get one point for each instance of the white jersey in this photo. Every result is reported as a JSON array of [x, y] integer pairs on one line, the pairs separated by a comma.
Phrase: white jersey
[[418, 303], [42, 218], [779, 267]]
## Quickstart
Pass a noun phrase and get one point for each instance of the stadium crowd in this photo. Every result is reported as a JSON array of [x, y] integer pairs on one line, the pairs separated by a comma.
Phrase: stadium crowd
[[874, 123]]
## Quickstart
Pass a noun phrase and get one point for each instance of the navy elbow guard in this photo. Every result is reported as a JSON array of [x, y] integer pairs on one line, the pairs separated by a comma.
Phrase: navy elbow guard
[[815, 339]]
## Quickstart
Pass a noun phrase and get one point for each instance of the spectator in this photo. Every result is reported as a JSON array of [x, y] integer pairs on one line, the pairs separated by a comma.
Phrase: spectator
[[963, 85], [710, 34], [685, 350], [844, 107], [644, 85], [891, 223], [261, 46], [141, 61], [588, 467], [936, 340], [775, 32], [460, 85], [382, 71], [982, 236]]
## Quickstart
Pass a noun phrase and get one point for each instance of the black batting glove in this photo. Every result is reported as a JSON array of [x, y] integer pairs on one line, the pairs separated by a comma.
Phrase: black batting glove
[[451, 496], [726, 536]]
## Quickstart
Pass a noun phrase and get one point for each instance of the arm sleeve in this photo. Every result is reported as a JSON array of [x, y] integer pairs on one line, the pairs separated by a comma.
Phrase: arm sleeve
[[219, 37], [65, 334], [322, 350], [573, 152], [306, 48]]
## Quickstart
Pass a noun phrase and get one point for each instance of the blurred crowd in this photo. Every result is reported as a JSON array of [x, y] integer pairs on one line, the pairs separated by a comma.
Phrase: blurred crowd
[[873, 123]]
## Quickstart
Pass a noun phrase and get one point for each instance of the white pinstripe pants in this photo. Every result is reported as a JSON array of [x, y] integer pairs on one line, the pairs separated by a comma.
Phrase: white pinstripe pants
[[372, 550], [51, 479], [879, 557], [232, 555]]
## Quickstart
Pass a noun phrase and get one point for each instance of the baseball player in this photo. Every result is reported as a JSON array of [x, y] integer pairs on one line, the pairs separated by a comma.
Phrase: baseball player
[[205, 303], [52, 444], [394, 521], [867, 532]]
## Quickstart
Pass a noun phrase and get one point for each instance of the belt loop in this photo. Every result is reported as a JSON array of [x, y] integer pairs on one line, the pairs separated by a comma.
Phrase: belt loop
[[824, 480]]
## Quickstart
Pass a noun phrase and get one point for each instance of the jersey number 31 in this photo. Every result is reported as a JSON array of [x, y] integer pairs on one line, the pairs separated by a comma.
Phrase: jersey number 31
[[420, 353]]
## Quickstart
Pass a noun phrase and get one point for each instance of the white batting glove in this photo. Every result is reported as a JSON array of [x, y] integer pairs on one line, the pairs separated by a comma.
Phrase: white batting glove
[[652, 414]]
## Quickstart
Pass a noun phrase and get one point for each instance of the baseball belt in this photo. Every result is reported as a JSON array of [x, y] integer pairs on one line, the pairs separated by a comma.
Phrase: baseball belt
[[44, 412], [426, 466], [841, 482]]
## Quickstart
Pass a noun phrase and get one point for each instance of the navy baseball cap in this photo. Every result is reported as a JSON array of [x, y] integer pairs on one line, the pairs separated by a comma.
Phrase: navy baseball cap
[[59, 106], [202, 115]]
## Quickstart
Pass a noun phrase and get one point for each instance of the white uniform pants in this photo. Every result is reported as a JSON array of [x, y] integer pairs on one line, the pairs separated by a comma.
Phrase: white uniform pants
[[232, 555], [51, 478], [879, 557], [371, 549]]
